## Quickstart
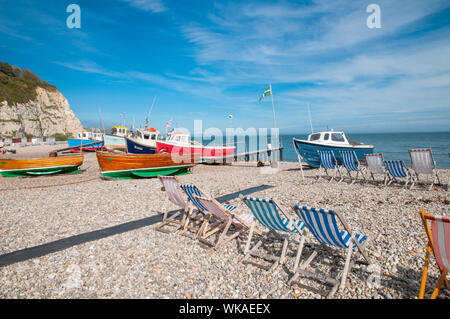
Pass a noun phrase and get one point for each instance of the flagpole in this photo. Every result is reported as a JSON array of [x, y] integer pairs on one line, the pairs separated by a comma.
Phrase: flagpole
[[273, 107]]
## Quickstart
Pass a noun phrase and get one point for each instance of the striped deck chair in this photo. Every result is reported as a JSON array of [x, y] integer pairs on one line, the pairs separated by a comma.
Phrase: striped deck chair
[[241, 223], [422, 162], [174, 196], [323, 225], [192, 191], [351, 164], [375, 165], [269, 214], [328, 162], [439, 244], [397, 169]]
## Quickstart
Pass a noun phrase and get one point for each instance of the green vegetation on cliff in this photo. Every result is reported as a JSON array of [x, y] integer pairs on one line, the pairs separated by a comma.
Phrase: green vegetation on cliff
[[19, 85]]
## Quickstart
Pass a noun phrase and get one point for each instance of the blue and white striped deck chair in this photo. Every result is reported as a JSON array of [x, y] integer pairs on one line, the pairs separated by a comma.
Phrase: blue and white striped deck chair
[[270, 215], [351, 164], [328, 162], [398, 170], [190, 191], [323, 225]]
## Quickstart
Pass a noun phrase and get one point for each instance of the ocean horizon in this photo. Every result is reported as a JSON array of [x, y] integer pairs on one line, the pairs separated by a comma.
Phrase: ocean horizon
[[393, 146]]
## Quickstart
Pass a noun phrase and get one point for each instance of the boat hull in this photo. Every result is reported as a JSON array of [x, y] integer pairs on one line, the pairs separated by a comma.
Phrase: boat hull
[[129, 166], [206, 153], [114, 142], [308, 151], [40, 166], [134, 147], [75, 144]]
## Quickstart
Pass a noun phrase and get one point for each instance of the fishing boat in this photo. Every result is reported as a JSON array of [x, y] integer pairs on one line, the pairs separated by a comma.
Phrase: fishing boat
[[328, 141], [143, 142], [128, 166], [180, 143], [40, 166], [84, 138], [116, 140]]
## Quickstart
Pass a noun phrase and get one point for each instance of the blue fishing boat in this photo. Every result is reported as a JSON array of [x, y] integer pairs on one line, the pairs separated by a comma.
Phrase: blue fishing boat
[[143, 142], [85, 138], [328, 141], [116, 140]]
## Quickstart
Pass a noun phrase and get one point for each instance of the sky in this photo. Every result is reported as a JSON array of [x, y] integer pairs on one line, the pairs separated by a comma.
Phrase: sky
[[204, 60]]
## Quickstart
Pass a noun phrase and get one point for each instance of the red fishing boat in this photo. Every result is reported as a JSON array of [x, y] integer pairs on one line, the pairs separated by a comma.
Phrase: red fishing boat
[[180, 143]]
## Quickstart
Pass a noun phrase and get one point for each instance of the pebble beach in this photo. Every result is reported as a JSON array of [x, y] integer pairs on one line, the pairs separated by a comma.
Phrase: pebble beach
[[81, 236]]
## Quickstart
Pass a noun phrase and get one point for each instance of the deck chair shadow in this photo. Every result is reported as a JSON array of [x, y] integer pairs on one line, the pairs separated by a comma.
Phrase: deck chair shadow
[[228, 221], [375, 165], [398, 170], [197, 212], [279, 224], [328, 162], [323, 226], [174, 196], [351, 163], [439, 244], [422, 162]]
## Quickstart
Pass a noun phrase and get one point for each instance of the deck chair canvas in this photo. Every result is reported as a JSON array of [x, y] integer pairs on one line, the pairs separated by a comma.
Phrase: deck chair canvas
[[351, 163], [193, 222], [375, 165], [398, 170], [241, 223], [328, 162], [439, 244], [323, 225], [174, 196], [422, 162], [269, 215]]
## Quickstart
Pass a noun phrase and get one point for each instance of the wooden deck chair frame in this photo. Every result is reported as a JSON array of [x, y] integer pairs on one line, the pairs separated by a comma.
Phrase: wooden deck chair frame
[[348, 265], [386, 176], [250, 252], [224, 223], [417, 169], [408, 177], [430, 248], [337, 168], [358, 169], [193, 222], [173, 218]]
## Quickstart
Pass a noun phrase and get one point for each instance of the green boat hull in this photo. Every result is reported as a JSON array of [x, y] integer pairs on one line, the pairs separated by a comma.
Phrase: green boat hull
[[41, 171], [148, 172]]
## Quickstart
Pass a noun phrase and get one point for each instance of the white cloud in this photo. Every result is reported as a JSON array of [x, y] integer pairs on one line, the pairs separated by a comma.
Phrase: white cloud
[[147, 5]]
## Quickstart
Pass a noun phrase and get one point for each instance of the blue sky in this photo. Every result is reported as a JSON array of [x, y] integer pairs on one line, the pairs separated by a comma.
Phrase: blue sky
[[207, 59]]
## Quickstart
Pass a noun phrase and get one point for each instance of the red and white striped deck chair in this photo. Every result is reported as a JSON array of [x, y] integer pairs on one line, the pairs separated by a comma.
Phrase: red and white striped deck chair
[[439, 244], [174, 196], [241, 223], [422, 162]]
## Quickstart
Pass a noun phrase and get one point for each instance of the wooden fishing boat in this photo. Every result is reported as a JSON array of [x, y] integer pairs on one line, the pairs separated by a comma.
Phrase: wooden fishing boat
[[128, 166], [40, 166]]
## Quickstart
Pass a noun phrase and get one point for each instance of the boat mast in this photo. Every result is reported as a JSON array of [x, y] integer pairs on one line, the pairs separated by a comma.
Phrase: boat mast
[[149, 112], [310, 122]]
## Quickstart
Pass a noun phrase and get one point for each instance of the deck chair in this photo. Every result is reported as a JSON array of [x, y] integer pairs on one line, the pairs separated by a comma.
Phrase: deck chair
[[351, 164], [397, 169], [328, 162], [192, 221], [174, 196], [422, 162], [439, 244], [269, 214], [241, 223], [375, 165], [323, 225]]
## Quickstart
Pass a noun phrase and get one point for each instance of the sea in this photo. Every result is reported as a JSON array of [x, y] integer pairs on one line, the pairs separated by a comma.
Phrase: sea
[[393, 146]]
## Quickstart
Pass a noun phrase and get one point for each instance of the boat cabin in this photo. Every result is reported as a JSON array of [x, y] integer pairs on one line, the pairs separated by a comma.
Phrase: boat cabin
[[84, 135], [120, 131], [329, 138], [150, 134]]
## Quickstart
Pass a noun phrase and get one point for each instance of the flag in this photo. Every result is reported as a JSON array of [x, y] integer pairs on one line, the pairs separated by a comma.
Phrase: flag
[[168, 124], [266, 93]]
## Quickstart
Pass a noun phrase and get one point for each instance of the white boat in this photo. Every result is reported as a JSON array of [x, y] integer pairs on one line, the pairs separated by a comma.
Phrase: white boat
[[143, 142], [328, 141]]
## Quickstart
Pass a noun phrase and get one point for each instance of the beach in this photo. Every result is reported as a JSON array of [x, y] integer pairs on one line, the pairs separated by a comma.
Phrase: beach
[[80, 236]]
